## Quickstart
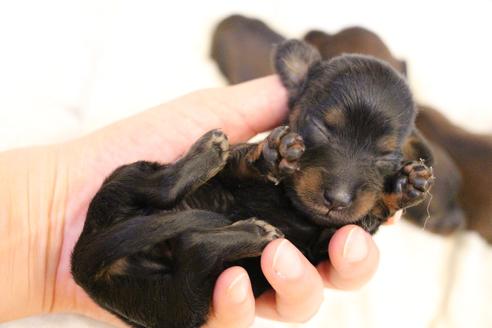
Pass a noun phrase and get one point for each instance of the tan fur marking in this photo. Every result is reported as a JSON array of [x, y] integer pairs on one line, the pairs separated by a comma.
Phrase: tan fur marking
[[335, 117], [387, 143], [392, 202], [310, 180], [364, 201], [245, 168], [118, 268], [308, 188], [409, 150]]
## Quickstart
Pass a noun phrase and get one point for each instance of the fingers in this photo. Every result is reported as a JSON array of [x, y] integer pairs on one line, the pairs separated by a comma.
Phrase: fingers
[[233, 300], [297, 284], [241, 111], [249, 108], [353, 256]]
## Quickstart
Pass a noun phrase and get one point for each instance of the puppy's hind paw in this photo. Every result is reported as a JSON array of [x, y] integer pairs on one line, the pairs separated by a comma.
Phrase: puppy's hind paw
[[214, 143], [263, 229]]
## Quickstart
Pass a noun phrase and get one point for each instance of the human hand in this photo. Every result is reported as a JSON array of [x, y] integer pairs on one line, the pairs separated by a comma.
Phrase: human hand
[[163, 134]]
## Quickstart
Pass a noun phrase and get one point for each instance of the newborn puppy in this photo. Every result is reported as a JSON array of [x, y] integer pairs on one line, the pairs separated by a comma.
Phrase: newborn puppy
[[242, 48], [449, 210], [158, 235]]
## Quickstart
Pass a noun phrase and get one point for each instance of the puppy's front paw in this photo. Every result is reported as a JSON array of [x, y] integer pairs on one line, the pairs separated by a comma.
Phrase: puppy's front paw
[[282, 151], [414, 181]]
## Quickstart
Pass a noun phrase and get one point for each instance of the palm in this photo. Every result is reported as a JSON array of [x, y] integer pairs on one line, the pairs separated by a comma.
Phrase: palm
[[159, 134]]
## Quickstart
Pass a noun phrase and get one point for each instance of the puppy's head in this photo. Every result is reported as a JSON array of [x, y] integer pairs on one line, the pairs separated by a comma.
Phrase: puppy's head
[[354, 113]]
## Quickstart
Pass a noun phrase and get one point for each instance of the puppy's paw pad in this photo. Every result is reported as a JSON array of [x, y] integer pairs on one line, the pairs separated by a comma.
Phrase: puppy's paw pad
[[283, 150], [414, 183], [419, 176], [291, 147]]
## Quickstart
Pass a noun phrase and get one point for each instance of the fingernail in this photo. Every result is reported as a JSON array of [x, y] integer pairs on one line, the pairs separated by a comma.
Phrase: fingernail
[[397, 216], [286, 261], [355, 248], [238, 289]]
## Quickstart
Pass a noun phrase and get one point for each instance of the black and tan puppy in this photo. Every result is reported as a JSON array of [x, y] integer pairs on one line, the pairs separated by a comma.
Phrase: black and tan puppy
[[242, 49], [462, 160], [158, 235]]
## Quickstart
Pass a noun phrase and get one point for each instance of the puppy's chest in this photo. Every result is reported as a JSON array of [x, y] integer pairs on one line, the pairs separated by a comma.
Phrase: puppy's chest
[[263, 201]]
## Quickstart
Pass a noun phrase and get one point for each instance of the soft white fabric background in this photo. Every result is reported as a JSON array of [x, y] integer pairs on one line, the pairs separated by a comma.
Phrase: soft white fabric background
[[68, 67]]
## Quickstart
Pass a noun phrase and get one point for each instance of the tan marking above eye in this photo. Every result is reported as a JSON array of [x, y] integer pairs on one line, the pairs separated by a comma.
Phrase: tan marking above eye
[[335, 117], [387, 144], [409, 148]]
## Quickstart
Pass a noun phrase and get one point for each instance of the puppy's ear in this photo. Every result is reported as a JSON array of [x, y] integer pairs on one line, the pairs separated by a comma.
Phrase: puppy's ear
[[417, 148], [293, 58]]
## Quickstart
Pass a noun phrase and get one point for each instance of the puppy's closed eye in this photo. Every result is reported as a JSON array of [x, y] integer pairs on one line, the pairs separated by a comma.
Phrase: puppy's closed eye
[[316, 131]]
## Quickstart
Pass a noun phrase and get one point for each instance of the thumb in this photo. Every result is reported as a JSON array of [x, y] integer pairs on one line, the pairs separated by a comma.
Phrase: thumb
[[248, 108]]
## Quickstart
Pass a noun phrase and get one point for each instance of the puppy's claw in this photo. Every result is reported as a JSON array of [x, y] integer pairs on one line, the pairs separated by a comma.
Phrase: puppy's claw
[[276, 135]]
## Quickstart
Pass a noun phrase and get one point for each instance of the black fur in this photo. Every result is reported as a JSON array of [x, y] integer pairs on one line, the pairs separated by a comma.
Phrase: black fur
[[158, 235]]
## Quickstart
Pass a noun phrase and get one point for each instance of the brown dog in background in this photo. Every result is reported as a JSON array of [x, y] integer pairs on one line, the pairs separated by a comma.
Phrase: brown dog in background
[[242, 48]]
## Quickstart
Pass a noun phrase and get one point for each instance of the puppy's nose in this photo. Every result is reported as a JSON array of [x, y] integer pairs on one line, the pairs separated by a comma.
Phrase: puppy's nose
[[337, 199]]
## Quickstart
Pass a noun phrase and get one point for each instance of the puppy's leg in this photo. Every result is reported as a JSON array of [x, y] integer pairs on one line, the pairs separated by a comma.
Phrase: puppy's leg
[[204, 160], [274, 158], [98, 251], [180, 295], [242, 239], [144, 187], [409, 187]]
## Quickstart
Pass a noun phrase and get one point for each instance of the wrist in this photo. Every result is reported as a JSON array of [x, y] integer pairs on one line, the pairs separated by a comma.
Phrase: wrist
[[34, 190]]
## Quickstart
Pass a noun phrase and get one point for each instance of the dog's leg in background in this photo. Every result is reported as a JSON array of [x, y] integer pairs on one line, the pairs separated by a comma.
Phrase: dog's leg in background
[[242, 48]]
